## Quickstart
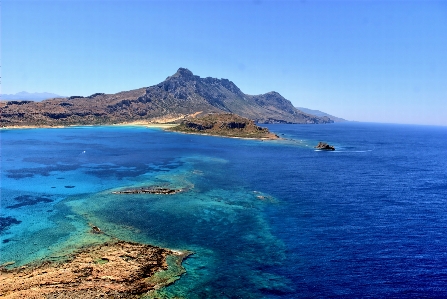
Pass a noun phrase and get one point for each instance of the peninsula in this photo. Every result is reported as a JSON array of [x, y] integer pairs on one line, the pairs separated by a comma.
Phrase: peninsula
[[224, 124]]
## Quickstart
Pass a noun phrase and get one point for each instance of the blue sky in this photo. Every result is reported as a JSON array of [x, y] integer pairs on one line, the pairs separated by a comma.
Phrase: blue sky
[[375, 61]]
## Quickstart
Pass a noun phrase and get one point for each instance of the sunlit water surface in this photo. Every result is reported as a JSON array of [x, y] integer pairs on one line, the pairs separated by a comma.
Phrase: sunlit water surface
[[265, 219]]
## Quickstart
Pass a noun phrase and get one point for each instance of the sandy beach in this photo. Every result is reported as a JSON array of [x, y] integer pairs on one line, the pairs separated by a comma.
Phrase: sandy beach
[[137, 123]]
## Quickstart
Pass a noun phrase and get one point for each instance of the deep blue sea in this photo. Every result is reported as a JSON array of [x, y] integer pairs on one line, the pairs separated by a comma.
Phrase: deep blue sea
[[265, 219]]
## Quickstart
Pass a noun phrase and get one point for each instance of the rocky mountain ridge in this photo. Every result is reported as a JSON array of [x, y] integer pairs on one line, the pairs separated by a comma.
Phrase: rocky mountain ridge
[[180, 95]]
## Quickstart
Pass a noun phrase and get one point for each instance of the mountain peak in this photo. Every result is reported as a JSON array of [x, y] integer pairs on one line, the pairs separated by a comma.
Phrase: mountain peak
[[183, 73]]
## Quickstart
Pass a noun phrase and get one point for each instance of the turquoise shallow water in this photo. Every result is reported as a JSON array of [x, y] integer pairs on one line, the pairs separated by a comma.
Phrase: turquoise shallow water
[[264, 219]]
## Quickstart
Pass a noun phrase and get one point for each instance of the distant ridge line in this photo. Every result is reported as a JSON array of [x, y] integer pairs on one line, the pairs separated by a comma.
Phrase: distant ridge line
[[29, 96], [321, 114]]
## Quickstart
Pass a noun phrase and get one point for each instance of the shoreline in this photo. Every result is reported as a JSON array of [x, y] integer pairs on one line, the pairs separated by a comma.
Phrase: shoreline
[[130, 124], [165, 126], [226, 136], [113, 267], [156, 122], [147, 125]]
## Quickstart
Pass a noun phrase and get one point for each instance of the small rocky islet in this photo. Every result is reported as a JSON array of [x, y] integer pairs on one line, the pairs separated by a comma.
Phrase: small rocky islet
[[156, 190], [151, 190], [324, 146]]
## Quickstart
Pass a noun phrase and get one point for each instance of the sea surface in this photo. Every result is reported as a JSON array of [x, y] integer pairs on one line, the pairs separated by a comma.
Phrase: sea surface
[[265, 219]]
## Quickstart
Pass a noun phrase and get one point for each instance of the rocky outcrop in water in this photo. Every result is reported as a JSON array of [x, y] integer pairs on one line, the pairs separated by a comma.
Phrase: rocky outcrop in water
[[150, 190], [324, 146], [180, 95]]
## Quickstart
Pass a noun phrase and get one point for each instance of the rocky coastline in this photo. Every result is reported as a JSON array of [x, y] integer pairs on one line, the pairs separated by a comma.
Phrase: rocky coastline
[[224, 125], [115, 269]]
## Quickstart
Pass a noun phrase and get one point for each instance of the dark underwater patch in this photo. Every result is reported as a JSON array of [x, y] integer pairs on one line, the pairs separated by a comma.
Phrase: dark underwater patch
[[115, 172], [13, 174], [69, 187], [43, 171], [6, 222], [276, 291], [125, 170], [118, 171], [28, 200]]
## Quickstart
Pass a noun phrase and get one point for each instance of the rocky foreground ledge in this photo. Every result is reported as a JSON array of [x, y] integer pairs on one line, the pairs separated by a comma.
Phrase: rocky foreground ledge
[[224, 124], [111, 270]]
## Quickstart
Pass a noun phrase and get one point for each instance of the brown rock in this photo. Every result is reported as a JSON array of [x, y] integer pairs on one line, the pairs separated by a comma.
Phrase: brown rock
[[115, 269], [224, 124], [325, 146]]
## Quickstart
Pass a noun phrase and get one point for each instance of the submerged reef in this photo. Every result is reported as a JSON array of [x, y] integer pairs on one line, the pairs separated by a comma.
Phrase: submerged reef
[[28, 200], [115, 269]]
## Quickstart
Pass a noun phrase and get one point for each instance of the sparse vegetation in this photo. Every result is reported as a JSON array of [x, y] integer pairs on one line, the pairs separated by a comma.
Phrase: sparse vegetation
[[224, 124]]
